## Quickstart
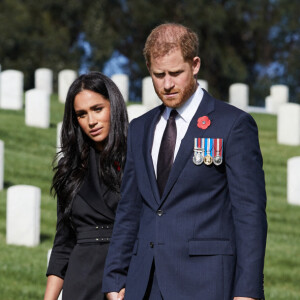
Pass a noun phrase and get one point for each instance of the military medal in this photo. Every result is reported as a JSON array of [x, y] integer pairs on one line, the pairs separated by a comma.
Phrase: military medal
[[208, 160], [218, 146], [198, 152]]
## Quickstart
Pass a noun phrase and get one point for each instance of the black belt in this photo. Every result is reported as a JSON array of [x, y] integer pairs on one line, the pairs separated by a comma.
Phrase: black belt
[[101, 233]]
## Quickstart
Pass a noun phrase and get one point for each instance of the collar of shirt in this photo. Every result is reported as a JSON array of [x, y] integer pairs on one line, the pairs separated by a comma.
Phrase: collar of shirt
[[189, 108]]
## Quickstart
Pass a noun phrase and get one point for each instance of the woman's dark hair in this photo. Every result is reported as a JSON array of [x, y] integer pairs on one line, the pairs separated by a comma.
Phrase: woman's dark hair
[[75, 145]]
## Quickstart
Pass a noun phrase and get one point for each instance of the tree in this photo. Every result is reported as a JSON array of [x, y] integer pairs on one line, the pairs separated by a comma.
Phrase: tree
[[236, 41], [255, 42], [43, 33]]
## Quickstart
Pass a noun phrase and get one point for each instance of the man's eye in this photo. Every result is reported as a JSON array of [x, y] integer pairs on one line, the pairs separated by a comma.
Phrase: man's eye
[[160, 75], [98, 108]]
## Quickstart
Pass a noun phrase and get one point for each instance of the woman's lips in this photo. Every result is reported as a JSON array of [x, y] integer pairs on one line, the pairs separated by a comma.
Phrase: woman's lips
[[95, 132]]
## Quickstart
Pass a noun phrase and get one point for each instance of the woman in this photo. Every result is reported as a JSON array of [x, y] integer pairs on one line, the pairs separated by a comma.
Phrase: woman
[[87, 182]]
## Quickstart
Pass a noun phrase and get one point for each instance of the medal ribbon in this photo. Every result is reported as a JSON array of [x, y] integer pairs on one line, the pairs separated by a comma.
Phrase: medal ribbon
[[218, 147], [208, 146], [197, 143]]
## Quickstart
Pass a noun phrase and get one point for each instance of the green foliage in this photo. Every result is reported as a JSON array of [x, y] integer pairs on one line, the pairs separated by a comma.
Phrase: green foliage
[[28, 157], [44, 33], [238, 39]]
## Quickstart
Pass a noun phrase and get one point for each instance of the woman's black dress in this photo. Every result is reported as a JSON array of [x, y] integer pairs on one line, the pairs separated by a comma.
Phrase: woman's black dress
[[78, 254]]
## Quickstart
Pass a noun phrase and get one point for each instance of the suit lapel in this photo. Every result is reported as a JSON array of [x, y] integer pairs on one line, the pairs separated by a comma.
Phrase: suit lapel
[[91, 191], [185, 151], [150, 126]]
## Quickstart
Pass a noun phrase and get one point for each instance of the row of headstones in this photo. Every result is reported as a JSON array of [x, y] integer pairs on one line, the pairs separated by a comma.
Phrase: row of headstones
[[24, 201], [288, 121], [12, 82], [11, 92], [11, 87], [239, 97], [37, 101]]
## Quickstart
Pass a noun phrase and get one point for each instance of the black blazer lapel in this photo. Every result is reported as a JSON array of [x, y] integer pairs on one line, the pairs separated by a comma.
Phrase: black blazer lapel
[[185, 151], [92, 192]]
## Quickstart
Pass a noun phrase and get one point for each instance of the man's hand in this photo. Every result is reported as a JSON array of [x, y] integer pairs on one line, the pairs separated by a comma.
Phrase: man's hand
[[115, 295]]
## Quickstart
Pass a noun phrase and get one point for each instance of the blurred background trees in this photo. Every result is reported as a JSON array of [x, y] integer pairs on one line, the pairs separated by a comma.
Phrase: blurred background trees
[[254, 42]]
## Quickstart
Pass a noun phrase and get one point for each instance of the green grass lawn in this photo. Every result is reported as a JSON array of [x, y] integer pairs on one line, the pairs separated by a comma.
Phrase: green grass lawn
[[28, 158]]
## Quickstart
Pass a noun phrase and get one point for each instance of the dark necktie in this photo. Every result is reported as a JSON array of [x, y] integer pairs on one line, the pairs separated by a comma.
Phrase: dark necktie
[[166, 152]]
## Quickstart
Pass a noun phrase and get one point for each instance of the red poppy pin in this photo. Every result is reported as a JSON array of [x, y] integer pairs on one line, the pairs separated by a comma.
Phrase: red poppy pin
[[117, 165], [203, 122]]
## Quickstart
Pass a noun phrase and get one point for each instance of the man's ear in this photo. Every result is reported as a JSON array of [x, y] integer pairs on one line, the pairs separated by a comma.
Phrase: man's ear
[[148, 66], [196, 65]]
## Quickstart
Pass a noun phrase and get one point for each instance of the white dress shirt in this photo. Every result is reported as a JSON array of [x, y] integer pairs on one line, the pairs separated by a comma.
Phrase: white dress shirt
[[185, 114]]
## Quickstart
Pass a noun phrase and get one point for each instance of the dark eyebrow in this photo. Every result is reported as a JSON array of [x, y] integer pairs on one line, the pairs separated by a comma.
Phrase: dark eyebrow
[[79, 111], [174, 72], [96, 105]]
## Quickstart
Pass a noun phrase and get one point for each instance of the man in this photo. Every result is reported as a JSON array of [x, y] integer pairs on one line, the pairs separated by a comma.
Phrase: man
[[194, 228]]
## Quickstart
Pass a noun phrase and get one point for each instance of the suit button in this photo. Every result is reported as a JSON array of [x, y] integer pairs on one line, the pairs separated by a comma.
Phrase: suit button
[[159, 212], [151, 245]]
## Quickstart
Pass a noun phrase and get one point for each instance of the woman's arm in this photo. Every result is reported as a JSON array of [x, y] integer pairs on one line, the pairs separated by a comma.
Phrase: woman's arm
[[53, 288]]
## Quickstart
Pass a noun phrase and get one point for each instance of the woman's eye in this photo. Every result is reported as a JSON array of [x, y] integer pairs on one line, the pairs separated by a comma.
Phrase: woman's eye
[[98, 108], [80, 116]]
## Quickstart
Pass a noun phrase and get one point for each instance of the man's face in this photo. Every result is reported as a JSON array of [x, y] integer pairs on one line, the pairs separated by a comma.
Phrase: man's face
[[173, 78]]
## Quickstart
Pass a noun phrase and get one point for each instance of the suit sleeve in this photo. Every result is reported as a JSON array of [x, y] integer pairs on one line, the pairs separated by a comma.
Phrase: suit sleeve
[[64, 243], [125, 228], [248, 198]]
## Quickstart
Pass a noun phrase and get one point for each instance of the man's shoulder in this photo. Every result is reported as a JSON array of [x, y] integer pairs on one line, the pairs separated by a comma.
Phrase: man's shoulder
[[227, 108], [229, 111], [225, 114]]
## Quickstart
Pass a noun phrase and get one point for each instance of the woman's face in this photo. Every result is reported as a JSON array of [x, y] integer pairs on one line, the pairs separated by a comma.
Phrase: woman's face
[[93, 115]]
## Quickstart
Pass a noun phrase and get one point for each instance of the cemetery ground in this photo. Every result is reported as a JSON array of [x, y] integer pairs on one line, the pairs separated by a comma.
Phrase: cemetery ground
[[28, 156]]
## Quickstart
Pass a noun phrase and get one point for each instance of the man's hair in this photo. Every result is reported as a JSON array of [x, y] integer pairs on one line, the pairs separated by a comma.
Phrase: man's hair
[[169, 37]]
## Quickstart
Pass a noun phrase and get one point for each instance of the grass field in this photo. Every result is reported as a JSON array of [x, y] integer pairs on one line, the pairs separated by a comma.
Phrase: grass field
[[28, 157]]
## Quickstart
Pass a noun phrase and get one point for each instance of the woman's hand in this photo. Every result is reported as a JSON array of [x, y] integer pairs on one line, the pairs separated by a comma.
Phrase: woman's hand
[[53, 288]]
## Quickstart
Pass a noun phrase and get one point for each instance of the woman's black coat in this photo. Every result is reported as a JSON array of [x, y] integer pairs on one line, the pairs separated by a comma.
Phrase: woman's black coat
[[79, 250]]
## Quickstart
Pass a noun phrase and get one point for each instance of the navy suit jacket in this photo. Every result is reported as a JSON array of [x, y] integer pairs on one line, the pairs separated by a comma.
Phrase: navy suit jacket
[[207, 233]]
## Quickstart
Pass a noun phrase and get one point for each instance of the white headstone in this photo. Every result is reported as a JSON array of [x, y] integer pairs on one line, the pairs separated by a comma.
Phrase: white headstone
[[43, 79], [293, 179], [122, 82], [65, 79], [23, 215], [136, 110], [0, 84], [58, 137], [239, 95], [1, 165], [48, 259], [270, 105], [279, 94], [37, 108], [203, 84], [149, 96], [11, 92], [288, 124]]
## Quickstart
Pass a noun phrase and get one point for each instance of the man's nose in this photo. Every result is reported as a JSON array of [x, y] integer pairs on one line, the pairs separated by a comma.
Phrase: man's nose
[[168, 83]]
